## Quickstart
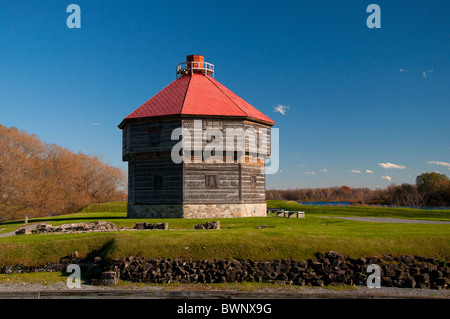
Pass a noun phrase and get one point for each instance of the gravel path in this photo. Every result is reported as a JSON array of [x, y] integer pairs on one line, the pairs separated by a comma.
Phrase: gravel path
[[390, 220], [60, 290], [13, 233]]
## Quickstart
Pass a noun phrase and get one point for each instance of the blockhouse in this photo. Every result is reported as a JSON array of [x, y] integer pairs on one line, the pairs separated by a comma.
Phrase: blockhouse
[[196, 150]]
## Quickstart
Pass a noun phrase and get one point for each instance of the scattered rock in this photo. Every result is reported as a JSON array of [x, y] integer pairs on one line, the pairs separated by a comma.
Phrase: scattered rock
[[208, 225], [74, 255], [163, 226], [97, 226]]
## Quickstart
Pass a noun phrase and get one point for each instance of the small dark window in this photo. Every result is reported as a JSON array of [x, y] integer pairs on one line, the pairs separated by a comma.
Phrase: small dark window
[[125, 144], [211, 181], [253, 181], [155, 127], [154, 138], [157, 181], [131, 183]]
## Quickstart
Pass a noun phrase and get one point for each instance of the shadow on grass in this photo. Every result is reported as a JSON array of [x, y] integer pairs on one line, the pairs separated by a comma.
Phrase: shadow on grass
[[103, 251], [88, 274]]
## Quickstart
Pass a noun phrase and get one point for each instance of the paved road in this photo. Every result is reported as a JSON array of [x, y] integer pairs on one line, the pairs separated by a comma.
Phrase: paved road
[[391, 220]]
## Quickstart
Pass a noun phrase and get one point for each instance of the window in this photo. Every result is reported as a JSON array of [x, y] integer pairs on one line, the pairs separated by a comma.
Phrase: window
[[154, 138], [155, 127], [211, 181], [126, 139], [253, 181], [157, 181]]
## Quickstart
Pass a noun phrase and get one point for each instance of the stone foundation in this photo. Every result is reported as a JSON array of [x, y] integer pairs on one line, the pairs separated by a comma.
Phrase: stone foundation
[[197, 211], [154, 211]]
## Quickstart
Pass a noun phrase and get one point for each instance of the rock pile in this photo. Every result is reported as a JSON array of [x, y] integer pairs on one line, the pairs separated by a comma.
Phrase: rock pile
[[107, 278], [325, 269], [208, 225], [97, 226], [164, 226]]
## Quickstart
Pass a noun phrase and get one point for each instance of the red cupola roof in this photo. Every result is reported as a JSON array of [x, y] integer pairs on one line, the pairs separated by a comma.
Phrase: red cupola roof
[[196, 92]]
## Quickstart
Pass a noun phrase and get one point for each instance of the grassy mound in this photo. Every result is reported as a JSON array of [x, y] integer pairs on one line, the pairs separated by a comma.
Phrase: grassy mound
[[363, 211], [284, 238]]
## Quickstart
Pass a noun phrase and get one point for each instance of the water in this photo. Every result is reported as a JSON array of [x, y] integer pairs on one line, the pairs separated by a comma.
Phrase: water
[[314, 203]]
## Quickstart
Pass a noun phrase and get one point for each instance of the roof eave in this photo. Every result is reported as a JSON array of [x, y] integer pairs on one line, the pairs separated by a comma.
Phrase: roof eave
[[190, 116]]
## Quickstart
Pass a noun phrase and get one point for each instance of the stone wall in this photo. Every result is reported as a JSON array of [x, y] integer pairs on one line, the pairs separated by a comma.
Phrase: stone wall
[[224, 210], [154, 211], [197, 211], [326, 269], [330, 268]]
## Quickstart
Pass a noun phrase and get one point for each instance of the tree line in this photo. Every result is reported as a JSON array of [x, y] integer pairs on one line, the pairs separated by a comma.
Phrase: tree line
[[431, 189], [39, 179]]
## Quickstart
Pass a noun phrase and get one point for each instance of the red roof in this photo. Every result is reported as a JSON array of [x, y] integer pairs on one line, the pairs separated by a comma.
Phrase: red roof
[[197, 94]]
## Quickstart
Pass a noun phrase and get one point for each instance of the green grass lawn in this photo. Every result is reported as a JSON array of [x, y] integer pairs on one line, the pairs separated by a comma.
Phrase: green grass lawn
[[363, 211], [237, 238]]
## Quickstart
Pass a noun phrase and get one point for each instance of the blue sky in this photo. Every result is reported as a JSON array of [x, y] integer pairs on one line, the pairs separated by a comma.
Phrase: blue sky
[[355, 98]]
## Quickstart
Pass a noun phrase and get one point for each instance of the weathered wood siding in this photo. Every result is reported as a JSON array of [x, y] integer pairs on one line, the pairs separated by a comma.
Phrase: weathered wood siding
[[253, 191], [144, 137], [147, 147], [197, 130], [196, 190], [144, 191]]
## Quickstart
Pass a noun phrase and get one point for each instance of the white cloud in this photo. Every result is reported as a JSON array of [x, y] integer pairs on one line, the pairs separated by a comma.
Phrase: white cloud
[[388, 178], [425, 73], [402, 70], [390, 165], [368, 171], [96, 124], [355, 171], [440, 163], [324, 170], [281, 109], [310, 173]]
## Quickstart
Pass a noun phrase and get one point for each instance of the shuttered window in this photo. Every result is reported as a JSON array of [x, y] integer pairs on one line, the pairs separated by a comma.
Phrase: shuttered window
[[157, 181], [253, 181], [211, 181]]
